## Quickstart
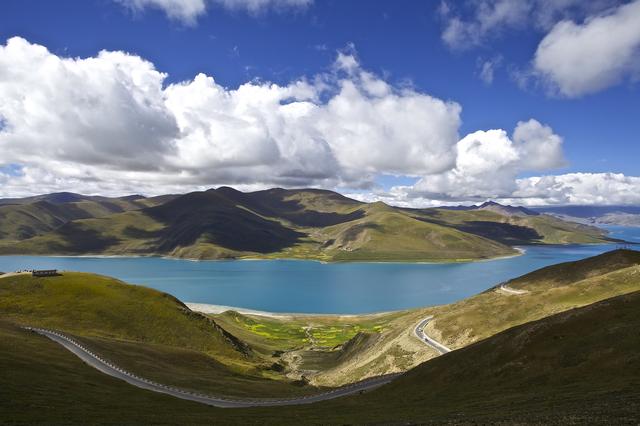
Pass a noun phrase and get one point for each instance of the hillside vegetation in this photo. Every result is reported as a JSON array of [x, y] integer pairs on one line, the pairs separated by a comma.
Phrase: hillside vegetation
[[148, 331], [576, 367], [276, 223], [371, 345]]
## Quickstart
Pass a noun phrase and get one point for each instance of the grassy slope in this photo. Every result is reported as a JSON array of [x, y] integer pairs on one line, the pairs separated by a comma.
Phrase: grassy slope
[[393, 346], [304, 224], [550, 290], [93, 305], [521, 229], [24, 220], [575, 367], [144, 330]]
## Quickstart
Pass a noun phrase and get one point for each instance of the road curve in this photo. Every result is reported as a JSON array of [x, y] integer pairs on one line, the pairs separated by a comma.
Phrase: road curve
[[113, 370], [509, 290], [420, 334]]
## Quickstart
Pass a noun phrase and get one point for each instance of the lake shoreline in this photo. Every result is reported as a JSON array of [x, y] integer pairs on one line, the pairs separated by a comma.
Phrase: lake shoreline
[[210, 309]]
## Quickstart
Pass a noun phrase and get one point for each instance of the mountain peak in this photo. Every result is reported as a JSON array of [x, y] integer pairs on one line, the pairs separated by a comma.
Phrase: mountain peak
[[505, 209]]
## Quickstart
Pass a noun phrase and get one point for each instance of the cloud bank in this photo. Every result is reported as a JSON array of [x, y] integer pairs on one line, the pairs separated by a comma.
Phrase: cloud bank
[[110, 124], [110, 117]]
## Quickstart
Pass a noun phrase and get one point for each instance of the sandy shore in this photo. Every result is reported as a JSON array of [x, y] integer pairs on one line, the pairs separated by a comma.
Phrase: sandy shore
[[218, 309]]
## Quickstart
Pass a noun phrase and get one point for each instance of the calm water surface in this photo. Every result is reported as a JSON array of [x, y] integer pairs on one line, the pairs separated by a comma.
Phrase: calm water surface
[[304, 286]]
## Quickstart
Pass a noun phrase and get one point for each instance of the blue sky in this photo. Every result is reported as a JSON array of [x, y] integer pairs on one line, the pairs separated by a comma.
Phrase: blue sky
[[403, 43]]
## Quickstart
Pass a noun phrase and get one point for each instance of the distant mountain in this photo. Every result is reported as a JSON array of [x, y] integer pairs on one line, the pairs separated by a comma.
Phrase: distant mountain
[[597, 215], [274, 223], [587, 211], [496, 207]]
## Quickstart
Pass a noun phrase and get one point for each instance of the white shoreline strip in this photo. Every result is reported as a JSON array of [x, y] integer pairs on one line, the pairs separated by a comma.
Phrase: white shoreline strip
[[205, 308]]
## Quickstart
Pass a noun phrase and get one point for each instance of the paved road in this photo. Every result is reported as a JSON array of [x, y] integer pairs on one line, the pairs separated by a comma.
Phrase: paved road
[[111, 369], [509, 290], [420, 334]]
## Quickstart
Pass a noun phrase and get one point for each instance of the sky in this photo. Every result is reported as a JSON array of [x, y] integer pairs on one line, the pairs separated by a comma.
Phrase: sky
[[414, 103]]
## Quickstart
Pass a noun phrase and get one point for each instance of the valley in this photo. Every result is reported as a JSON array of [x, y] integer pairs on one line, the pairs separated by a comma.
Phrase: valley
[[252, 356]]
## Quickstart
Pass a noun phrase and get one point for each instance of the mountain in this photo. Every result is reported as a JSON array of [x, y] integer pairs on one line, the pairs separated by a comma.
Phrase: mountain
[[513, 225], [280, 223], [497, 208], [597, 215], [587, 211], [23, 218]]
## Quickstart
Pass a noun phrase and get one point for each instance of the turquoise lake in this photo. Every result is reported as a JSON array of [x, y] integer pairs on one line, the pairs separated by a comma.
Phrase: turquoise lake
[[312, 287]]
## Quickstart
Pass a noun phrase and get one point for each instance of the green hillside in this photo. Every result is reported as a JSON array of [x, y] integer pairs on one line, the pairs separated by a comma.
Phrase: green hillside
[[514, 226], [548, 290], [380, 344], [148, 331], [576, 367], [25, 218]]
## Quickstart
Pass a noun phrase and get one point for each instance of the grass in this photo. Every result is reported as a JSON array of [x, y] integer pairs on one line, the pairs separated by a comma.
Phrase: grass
[[93, 305], [147, 331], [470, 320], [550, 290], [194, 370], [300, 331], [580, 366]]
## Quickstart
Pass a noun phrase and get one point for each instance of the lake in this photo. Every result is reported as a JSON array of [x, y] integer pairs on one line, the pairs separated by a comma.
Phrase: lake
[[312, 287]]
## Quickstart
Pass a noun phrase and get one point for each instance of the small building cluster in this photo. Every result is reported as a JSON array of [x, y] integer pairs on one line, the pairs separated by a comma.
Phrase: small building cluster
[[44, 272]]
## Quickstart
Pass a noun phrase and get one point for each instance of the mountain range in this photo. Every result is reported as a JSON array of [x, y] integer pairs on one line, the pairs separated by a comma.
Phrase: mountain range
[[315, 224]]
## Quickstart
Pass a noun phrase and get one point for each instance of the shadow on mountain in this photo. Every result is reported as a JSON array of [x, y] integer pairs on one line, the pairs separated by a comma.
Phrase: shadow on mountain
[[273, 203], [81, 240], [504, 233], [137, 233], [207, 217]]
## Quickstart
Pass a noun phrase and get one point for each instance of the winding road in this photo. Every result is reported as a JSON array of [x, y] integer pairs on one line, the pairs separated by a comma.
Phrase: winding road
[[420, 334], [113, 370]]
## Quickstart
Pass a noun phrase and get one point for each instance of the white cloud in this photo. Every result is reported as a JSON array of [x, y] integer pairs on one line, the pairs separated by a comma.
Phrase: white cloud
[[110, 125], [487, 163], [488, 17], [108, 120], [579, 59], [474, 22], [487, 69], [579, 188], [188, 11]]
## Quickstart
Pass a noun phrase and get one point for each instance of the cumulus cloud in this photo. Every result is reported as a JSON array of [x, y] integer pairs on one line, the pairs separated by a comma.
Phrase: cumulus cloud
[[188, 11], [579, 59], [109, 124], [110, 118], [487, 163]]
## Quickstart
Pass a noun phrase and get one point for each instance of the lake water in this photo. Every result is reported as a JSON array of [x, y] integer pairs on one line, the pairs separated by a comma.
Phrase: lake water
[[312, 287]]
